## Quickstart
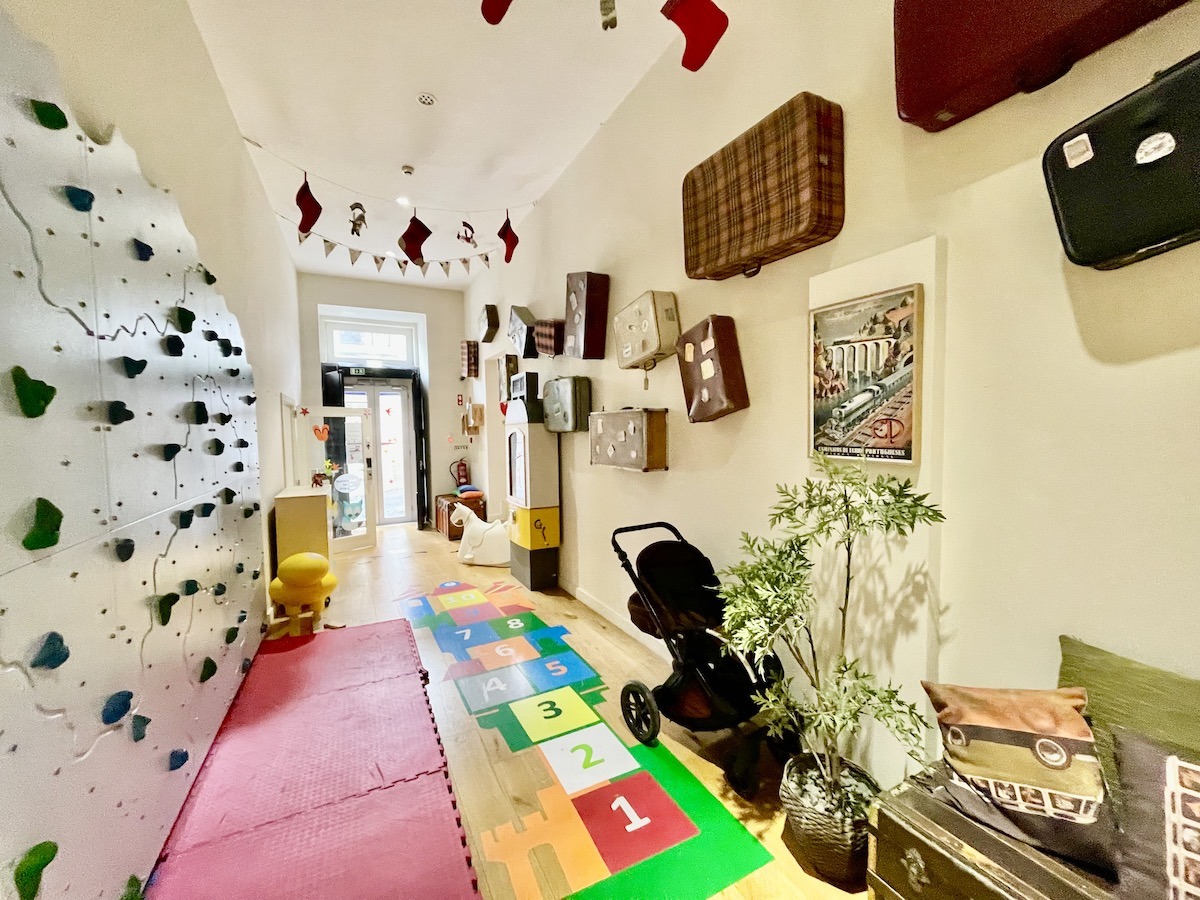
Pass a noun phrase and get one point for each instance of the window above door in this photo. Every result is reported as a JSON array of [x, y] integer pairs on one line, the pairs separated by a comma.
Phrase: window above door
[[372, 345]]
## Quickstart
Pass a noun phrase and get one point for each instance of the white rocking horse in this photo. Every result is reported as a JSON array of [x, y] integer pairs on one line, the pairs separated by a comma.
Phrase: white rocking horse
[[483, 543]]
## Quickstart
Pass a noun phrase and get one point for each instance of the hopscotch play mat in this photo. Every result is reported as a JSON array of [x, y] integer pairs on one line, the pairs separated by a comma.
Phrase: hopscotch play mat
[[622, 821]]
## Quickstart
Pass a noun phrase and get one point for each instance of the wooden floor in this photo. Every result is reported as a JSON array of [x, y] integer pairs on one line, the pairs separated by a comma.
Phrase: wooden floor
[[495, 786]]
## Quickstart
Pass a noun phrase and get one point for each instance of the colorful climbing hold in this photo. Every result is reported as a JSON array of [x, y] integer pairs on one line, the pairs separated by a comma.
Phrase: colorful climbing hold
[[246, 665], [234, 373], [53, 652], [209, 278], [238, 466], [231, 635], [204, 510], [241, 443], [228, 495], [183, 319], [257, 574], [241, 613], [216, 446], [207, 669], [133, 367], [118, 412], [210, 335], [170, 451], [183, 518], [143, 250], [137, 727], [173, 344], [124, 549], [165, 604], [226, 346], [133, 889], [33, 396], [47, 520], [249, 398], [196, 412], [115, 707], [223, 418], [177, 760], [48, 114], [240, 568], [28, 874], [191, 587], [247, 512], [219, 589], [81, 199]]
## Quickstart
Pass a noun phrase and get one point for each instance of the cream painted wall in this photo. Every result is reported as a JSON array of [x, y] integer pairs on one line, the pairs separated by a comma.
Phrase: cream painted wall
[[1067, 457], [144, 68], [444, 315]]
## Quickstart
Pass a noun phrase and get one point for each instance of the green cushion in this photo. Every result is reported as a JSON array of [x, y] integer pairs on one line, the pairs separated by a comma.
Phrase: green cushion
[[1162, 705]]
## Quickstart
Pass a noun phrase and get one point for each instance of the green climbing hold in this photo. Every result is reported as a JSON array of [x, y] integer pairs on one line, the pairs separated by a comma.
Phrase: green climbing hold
[[240, 568], [28, 874], [183, 319], [231, 635], [208, 669], [47, 520], [53, 652], [137, 727], [32, 395], [165, 604], [49, 115], [81, 199], [190, 587], [133, 889]]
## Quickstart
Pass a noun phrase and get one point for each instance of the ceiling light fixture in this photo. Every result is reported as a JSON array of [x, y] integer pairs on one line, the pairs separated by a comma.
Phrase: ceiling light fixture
[[390, 253], [403, 201]]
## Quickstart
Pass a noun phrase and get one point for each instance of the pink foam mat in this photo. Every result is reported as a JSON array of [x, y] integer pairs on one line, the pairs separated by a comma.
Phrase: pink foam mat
[[333, 660], [405, 840], [272, 760]]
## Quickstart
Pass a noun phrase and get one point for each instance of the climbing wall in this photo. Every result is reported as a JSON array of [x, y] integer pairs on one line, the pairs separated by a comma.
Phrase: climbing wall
[[130, 535]]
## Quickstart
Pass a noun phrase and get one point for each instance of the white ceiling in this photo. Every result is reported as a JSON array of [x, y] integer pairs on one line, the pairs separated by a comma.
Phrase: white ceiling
[[332, 87]]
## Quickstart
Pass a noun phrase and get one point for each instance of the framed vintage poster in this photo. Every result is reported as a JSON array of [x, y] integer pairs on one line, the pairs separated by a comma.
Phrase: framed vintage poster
[[866, 376]]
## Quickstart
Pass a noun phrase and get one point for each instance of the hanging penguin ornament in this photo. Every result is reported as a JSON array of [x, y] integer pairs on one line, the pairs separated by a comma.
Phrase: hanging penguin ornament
[[358, 219]]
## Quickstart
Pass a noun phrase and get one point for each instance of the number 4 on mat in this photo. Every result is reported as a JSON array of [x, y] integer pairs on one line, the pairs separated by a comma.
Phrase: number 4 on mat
[[635, 821]]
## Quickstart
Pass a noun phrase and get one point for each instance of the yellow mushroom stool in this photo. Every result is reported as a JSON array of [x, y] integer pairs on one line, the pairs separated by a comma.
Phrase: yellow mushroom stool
[[303, 585]]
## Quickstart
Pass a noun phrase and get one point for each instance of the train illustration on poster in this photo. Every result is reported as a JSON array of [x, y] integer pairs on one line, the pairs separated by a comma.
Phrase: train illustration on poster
[[866, 376]]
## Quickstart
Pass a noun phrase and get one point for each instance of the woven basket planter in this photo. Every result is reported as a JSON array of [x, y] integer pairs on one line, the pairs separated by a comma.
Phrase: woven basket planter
[[836, 848]]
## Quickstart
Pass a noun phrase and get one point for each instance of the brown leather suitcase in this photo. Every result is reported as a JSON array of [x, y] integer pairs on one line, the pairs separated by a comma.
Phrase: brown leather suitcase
[[586, 315], [549, 336], [629, 439], [444, 505], [469, 351], [955, 59], [710, 364], [776, 190]]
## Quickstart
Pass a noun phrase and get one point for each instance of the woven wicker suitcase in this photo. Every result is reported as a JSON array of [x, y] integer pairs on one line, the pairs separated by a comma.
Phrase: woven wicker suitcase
[[549, 336], [776, 190]]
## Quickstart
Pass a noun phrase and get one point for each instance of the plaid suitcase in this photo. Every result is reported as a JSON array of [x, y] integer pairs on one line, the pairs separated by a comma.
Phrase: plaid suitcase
[[710, 364], [1125, 184], [549, 336], [587, 315], [955, 59], [470, 359], [520, 331], [776, 190], [567, 402], [489, 323]]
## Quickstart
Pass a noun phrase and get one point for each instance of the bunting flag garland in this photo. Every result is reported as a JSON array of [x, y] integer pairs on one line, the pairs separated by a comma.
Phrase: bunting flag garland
[[414, 238], [329, 246], [304, 235], [487, 260], [509, 237], [379, 261], [310, 209], [445, 268], [354, 255], [424, 267]]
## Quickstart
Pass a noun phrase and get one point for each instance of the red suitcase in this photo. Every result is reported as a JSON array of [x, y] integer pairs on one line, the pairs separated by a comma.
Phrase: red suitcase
[[955, 59]]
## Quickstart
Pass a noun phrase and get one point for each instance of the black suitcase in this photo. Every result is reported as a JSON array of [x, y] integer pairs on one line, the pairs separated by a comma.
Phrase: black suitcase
[[1125, 183]]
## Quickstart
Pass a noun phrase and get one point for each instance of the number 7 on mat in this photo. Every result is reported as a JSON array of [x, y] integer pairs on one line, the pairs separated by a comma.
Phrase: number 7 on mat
[[635, 821]]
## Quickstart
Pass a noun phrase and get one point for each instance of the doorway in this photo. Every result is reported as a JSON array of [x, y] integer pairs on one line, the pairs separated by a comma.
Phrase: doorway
[[389, 407]]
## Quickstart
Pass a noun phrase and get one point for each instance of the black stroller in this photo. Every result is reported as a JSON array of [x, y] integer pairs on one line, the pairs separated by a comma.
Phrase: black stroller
[[709, 688]]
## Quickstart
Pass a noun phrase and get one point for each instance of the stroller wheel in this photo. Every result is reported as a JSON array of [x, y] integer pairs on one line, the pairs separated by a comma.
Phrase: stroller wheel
[[640, 712]]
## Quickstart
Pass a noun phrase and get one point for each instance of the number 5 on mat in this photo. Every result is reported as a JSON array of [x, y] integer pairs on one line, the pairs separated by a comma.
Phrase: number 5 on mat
[[635, 821]]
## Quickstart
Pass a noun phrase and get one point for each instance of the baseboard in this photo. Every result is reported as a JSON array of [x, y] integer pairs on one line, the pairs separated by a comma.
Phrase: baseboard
[[619, 618]]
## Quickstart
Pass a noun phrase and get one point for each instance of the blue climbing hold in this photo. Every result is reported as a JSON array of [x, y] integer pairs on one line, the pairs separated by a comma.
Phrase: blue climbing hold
[[183, 518], [218, 589], [246, 665], [191, 586], [177, 760], [204, 510], [241, 613], [80, 199], [53, 652], [115, 707], [240, 568], [143, 250], [137, 727], [124, 549]]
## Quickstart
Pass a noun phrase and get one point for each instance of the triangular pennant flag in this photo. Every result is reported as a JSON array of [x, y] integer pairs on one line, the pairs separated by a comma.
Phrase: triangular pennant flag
[[354, 255], [379, 261], [303, 235], [466, 264], [329, 246], [487, 260], [445, 268], [424, 268], [403, 264]]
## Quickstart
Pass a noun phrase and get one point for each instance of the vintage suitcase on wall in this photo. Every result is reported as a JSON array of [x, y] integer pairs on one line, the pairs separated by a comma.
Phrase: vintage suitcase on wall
[[776, 190], [629, 439], [507, 368], [567, 403], [586, 315], [520, 331], [470, 359], [955, 59], [524, 388], [489, 323], [710, 364], [1125, 184], [646, 330], [549, 335], [444, 506]]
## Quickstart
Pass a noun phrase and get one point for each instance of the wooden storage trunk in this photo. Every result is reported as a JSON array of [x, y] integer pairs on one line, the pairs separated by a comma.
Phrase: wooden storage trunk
[[567, 403], [629, 439], [586, 315], [776, 190], [445, 503], [489, 323], [710, 364], [646, 330], [470, 359], [549, 336]]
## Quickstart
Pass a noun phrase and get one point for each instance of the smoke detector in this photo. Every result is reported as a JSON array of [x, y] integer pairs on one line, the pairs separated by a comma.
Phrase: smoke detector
[[426, 99]]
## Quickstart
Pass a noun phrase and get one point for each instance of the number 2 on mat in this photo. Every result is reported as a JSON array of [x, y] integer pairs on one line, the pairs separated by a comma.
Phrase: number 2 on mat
[[635, 821], [588, 761], [550, 709]]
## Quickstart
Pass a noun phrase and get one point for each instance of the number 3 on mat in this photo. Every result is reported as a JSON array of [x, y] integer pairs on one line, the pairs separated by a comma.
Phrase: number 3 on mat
[[588, 761], [550, 709], [635, 821]]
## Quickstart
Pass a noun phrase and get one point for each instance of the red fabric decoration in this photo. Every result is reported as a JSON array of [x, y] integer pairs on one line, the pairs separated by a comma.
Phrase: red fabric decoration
[[702, 23], [494, 10], [413, 238], [310, 209], [509, 237]]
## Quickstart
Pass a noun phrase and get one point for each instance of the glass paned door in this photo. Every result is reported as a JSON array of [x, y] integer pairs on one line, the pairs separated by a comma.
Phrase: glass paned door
[[389, 403], [341, 446]]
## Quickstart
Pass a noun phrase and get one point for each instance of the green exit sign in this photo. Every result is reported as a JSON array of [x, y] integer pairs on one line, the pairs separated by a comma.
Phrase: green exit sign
[[357, 371]]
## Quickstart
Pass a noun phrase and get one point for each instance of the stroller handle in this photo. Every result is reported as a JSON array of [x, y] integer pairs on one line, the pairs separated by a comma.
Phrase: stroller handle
[[649, 526]]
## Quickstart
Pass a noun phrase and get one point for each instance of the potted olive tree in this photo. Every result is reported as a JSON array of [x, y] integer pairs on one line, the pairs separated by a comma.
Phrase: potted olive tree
[[771, 604]]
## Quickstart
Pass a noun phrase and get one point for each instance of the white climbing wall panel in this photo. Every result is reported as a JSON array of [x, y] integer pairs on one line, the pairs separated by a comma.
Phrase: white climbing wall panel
[[147, 446]]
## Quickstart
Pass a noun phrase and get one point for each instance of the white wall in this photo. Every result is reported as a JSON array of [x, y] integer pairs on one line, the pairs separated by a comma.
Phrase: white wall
[[443, 311], [1067, 453]]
